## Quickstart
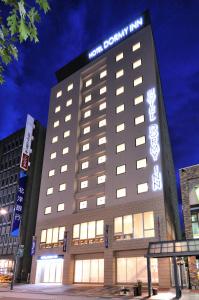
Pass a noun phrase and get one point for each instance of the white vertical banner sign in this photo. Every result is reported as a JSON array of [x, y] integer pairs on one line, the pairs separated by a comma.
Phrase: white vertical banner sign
[[151, 99], [26, 150]]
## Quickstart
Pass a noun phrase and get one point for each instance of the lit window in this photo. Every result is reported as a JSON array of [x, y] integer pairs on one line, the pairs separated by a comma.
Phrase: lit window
[[120, 127], [137, 81], [84, 165], [47, 210], [70, 87], [87, 114], [137, 63], [140, 141], [119, 74], [68, 118], [102, 106], [149, 224], [85, 147], [120, 91], [120, 148], [64, 168], [62, 187], [65, 150], [50, 191], [84, 184], [121, 169], [69, 102], [43, 236], [138, 100], [101, 200], [102, 140], [101, 179], [102, 123], [118, 228], [101, 159], [56, 124], [88, 82], [119, 56], [54, 139], [141, 163], [103, 90], [86, 129], [87, 98], [59, 94], [53, 155], [66, 133], [51, 173], [60, 207], [76, 229], [136, 46], [100, 227], [119, 108], [121, 192], [142, 188], [57, 109], [139, 120], [83, 204], [103, 74]]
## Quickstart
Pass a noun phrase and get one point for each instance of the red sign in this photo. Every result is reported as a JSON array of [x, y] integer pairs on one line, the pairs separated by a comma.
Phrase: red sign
[[24, 161]]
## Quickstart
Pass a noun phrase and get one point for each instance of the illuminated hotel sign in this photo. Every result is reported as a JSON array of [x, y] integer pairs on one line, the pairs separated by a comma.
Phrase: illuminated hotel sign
[[26, 150], [154, 139], [117, 37]]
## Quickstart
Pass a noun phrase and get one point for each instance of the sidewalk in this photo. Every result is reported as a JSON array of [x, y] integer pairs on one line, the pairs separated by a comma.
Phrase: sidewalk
[[81, 292]]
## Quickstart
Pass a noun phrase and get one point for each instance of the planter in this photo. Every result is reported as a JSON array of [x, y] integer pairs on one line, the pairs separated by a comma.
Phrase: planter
[[154, 291]]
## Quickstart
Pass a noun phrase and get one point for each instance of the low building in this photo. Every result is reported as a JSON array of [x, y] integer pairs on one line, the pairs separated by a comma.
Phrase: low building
[[21, 156], [189, 183]]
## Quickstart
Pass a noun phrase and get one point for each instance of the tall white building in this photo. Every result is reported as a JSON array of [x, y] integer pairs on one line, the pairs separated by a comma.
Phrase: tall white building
[[108, 184]]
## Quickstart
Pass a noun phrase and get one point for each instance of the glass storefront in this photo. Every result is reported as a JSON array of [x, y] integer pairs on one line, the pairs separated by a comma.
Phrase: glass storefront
[[132, 269], [89, 271], [49, 270]]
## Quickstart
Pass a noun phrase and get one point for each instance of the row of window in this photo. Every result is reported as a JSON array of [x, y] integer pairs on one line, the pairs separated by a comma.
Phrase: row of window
[[48, 209], [102, 140], [103, 74], [52, 235]]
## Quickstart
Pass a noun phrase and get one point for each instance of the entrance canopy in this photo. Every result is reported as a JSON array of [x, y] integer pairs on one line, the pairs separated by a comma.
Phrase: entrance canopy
[[173, 248]]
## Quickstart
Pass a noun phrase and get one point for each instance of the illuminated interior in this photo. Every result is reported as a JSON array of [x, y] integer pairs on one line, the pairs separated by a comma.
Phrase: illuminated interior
[[89, 271], [49, 271]]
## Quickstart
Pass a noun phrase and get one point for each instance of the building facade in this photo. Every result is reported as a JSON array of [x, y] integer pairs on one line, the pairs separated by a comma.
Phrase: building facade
[[189, 182], [108, 184], [19, 194]]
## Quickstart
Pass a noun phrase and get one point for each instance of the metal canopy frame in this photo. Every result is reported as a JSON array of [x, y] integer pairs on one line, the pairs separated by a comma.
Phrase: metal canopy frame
[[173, 249]]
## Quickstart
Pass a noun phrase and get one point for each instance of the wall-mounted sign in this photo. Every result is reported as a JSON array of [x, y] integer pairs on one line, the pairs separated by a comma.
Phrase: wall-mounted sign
[[18, 210], [116, 37], [106, 240], [65, 242], [33, 247], [46, 257], [26, 149], [154, 150]]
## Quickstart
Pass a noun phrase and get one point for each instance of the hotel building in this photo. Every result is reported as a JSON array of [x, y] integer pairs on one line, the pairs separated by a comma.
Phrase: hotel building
[[19, 195], [108, 185]]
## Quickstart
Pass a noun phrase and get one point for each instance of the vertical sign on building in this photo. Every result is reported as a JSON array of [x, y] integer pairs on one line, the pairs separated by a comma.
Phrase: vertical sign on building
[[26, 149], [18, 210], [154, 138], [65, 242], [106, 230], [33, 247]]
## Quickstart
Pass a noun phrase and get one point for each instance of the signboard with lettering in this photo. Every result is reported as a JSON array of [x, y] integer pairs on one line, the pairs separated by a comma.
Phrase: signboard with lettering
[[26, 150], [106, 241], [117, 37], [65, 242], [18, 210], [33, 247]]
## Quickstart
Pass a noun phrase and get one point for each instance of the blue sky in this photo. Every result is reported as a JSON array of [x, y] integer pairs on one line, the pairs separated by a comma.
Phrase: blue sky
[[71, 27]]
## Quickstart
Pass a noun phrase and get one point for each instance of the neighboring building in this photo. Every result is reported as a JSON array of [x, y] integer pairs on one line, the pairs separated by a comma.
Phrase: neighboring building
[[189, 181], [19, 195], [108, 185]]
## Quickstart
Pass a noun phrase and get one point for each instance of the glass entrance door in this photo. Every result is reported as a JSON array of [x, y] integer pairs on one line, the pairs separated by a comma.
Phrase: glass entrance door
[[49, 271]]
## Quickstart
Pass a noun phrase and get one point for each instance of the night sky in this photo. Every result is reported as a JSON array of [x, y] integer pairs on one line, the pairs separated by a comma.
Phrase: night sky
[[73, 26]]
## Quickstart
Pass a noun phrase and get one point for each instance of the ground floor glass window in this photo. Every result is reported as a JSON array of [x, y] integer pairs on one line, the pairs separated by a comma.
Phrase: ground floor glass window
[[132, 269], [89, 271]]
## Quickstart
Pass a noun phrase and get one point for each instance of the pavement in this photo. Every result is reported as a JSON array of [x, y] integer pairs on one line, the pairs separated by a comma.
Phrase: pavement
[[81, 292]]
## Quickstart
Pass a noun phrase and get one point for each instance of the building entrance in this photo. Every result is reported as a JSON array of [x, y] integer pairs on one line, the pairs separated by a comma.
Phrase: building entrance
[[49, 270]]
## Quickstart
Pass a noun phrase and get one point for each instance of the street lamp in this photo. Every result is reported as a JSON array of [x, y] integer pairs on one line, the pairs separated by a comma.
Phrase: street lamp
[[3, 211]]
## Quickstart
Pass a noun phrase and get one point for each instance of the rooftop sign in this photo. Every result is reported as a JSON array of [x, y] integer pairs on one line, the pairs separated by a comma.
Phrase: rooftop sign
[[117, 37]]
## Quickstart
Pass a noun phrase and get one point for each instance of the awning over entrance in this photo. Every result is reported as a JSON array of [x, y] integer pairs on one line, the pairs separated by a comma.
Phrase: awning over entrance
[[171, 249]]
